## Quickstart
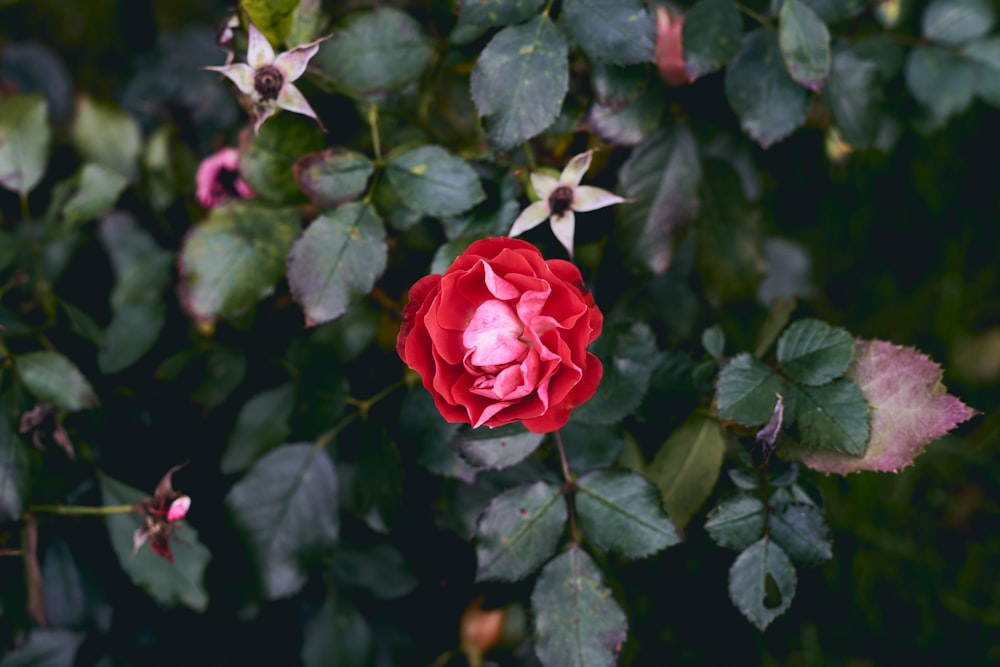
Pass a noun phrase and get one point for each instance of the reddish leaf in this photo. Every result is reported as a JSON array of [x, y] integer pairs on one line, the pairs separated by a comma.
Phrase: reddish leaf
[[910, 408]]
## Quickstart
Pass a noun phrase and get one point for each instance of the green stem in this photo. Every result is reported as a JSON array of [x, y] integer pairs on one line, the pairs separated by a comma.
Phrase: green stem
[[78, 510], [570, 487], [376, 140], [759, 18], [365, 405], [325, 439], [25, 209]]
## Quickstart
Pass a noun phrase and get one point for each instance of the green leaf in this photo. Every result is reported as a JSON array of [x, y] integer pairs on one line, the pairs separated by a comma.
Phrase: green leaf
[[985, 55], [805, 44], [628, 352], [499, 12], [625, 122], [108, 136], [661, 179], [232, 260], [942, 81], [426, 428], [337, 261], [433, 181], [267, 164], [133, 331], [833, 416], [853, 92], [81, 323], [380, 569], [762, 582], [24, 141], [496, 448], [518, 531], [337, 635], [768, 102], [714, 341], [15, 480], [97, 192], [45, 648], [686, 467], [619, 32], [180, 582], [737, 522], [142, 269], [378, 482], [622, 511], [261, 425], [799, 528], [53, 378], [520, 79], [711, 36], [813, 352], [376, 52], [957, 22], [729, 252], [333, 176], [745, 391], [577, 622], [307, 22], [591, 446], [272, 17], [286, 507]]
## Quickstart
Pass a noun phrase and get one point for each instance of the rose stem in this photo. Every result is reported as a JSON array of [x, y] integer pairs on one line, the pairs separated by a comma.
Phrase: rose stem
[[80, 510], [570, 487]]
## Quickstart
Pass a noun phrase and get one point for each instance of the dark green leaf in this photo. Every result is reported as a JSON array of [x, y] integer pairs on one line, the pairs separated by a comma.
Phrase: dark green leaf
[[15, 476], [942, 81], [97, 192], [711, 36], [729, 252], [957, 22], [142, 270], [81, 323], [620, 32], [622, 511], [519, 530], [745, 391], [337, 261], [337, 635], [499, 12], [686, 467], [433, 181], [133, 331], [286, 507], [628, 124], [520, 79], [272, 17], [307, 23], [261, 425], [801, 531], [831, 11], [333, 176], [628, 352], [74, 599], [737, 522], [24, 141], [589, 447], [833, 416], [854, 94], [805, 44], [770, 105], [496, 448], [380, 569], [745, 480], [45, 648], [378, 481], [53, 378], [985, 54], [222, 370], [376, 52], [232, 260], [813, 352], [180, 582], [661, 177], [424, 427], [267, 164], [714, 341], [107, 136], [748, 582], [577, 622]]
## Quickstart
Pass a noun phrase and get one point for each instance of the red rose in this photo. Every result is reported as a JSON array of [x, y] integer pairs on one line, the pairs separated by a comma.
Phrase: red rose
[[502, 337]]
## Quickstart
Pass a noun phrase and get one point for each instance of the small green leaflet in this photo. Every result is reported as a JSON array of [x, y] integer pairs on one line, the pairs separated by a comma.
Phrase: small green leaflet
[[745, 391], [53, 378], [498, 447], [736, 522], [686, 467], [813, 352], [762, 582], [710, 36], [620, 32], [24, 141], [805, 44], [833, 416], [333, 176], [433, 181]]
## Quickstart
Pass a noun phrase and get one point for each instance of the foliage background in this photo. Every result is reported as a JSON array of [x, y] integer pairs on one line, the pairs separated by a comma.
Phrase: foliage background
[[903, 247]]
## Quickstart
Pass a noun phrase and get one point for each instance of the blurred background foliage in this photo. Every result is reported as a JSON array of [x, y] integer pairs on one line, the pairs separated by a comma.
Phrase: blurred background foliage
[[904, 247]]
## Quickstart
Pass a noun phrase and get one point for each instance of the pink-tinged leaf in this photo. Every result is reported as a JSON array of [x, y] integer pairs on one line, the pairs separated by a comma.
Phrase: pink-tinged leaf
[[179, 508], [910, 408]]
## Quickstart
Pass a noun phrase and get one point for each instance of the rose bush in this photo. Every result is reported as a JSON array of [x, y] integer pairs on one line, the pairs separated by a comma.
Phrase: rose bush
[[502, 337]]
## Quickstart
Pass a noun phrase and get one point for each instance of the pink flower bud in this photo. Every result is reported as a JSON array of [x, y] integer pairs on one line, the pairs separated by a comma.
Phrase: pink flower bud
[[218, 179], [669, 50], [179, 508]]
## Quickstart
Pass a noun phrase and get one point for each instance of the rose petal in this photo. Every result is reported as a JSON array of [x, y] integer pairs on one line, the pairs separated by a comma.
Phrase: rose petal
[[492, 335]]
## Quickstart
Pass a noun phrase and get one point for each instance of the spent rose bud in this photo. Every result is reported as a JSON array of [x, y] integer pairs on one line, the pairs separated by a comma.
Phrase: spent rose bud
[[218, 179], [502, 337], [160, 513], [669, 49]]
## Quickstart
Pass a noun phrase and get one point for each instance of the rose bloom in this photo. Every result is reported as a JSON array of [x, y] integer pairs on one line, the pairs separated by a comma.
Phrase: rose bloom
[[218, 179], [502, 337]]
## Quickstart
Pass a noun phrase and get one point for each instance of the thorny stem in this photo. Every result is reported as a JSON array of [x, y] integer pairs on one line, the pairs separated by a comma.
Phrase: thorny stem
[[80, 510], [759, 18], [571, 488]]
